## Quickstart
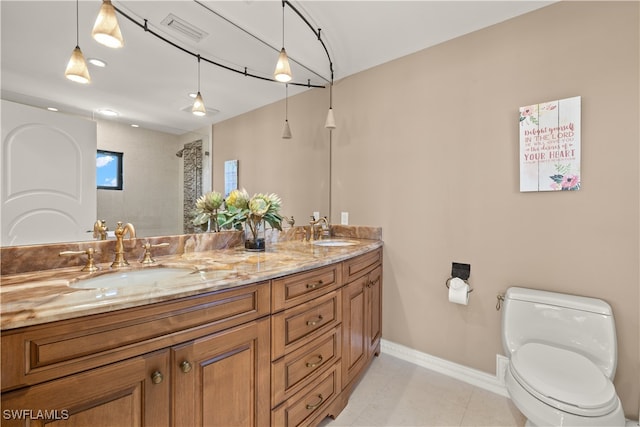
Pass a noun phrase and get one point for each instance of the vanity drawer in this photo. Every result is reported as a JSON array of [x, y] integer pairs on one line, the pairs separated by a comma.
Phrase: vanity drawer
[[360, 265], [310, 402], [293, 328], [43, 352], [292, 290], [291, 372]]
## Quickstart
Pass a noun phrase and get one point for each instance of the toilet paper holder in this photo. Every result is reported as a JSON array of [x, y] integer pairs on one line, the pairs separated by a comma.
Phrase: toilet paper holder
[[451, 278]]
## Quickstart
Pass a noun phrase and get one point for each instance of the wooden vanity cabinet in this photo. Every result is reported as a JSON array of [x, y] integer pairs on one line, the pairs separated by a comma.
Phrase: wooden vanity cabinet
[[195, 361], [362, 315]]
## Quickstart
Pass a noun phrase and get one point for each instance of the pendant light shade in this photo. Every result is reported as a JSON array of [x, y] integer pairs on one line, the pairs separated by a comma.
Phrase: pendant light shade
[[77, 70], [330, 123], [198, 106], [106, 30], [283, 70], [286, 132]]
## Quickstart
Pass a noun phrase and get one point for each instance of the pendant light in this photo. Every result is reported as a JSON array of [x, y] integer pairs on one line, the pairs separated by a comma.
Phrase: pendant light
[[106, 30], [198, 105], [77, 67], [330, 123], [283, 70], [286, 132]]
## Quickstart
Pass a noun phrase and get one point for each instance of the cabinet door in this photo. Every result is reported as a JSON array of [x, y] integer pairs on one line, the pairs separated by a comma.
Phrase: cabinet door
[[355, 345], [223, 379], [130, 393], [374, 309]]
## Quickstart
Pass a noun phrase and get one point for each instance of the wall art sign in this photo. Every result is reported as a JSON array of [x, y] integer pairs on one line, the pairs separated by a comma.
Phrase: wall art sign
[[550, 146]]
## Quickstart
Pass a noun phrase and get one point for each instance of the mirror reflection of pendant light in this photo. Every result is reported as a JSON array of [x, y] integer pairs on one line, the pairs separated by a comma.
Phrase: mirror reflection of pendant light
[[77, 67], [106, 30], [283, 70], [330, 123], [198, 105], [286, 132]]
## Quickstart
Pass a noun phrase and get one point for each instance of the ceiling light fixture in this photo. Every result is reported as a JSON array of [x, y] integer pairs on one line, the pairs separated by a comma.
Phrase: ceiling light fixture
[[198, 105], [286, 132], [330, 123], [77, 67], [97, 62], [283, 70], [106, 30]]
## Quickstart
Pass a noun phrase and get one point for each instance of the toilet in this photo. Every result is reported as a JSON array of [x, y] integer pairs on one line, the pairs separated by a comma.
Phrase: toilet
[[562, 358]]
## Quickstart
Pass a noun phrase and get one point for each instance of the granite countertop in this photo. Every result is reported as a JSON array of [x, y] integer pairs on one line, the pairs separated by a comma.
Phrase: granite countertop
[[37, 297]]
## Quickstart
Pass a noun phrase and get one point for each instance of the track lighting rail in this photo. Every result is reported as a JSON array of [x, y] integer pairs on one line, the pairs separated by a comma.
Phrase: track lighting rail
[[243, 71]]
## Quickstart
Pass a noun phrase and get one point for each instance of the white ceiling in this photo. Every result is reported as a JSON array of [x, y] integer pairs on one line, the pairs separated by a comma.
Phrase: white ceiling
[[148, 81]]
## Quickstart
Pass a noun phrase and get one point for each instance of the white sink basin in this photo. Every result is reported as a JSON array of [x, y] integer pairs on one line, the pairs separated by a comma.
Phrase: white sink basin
[[334, 242], [145, 277]]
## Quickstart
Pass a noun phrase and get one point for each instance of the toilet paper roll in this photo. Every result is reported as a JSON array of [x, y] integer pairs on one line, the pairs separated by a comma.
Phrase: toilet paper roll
[[458, 291]]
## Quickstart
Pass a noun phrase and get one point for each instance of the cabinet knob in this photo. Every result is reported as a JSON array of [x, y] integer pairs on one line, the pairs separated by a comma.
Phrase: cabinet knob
[[315, 321], [312, 406], [185, 366], [157, 377]]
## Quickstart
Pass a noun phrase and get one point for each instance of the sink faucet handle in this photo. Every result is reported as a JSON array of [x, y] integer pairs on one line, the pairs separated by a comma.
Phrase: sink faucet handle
[[90, 266], [147, 258]]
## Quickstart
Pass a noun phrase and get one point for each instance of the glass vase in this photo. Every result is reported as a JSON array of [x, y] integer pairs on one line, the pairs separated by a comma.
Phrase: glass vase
[[254, 236]]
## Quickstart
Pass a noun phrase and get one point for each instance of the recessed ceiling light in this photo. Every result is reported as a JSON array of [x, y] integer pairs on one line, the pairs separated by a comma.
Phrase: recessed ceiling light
[[52, 109], [97, 62], [133, 125], [193, 95], [108, 112]]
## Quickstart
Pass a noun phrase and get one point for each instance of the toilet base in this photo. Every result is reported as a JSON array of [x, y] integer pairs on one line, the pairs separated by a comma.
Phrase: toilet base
[[540, 414]]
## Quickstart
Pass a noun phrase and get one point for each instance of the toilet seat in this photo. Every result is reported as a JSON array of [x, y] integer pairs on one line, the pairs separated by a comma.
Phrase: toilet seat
[[563, 379]]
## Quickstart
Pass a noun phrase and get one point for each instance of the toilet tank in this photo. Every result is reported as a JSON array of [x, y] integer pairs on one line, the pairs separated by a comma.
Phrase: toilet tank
[[581, 324]]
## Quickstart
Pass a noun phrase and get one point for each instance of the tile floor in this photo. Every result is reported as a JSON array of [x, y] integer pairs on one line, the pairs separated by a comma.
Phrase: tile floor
[[396, 393]]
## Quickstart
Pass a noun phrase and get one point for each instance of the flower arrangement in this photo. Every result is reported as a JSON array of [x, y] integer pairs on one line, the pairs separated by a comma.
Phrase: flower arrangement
[[206, 211], [240, 212], [252, 211]]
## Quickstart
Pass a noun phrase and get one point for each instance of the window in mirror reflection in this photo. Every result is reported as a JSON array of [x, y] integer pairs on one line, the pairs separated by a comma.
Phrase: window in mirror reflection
[[109, 170]]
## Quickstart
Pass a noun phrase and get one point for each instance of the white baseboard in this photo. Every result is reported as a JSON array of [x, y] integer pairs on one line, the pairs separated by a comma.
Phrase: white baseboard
[[454, 370]]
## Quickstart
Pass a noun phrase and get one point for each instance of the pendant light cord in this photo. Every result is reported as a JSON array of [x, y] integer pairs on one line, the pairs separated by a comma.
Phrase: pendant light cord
[[283, 24], [198, 73], [77, 23]]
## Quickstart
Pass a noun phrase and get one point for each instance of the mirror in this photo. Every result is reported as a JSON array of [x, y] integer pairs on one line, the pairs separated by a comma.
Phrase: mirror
[[152, 197]]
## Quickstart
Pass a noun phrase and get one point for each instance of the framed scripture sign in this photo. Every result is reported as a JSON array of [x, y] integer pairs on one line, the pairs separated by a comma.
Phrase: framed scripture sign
[[550, 146]]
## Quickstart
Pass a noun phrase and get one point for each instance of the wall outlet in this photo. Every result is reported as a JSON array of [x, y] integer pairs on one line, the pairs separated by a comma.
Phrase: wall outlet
[[344, 218], [316, 215]]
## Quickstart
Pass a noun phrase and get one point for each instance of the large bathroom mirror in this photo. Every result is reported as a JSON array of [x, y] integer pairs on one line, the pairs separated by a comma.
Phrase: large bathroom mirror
[[159, 153]]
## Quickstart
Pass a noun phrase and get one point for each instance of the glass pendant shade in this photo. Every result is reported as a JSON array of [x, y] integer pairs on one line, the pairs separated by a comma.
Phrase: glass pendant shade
[[77, 67], [283, 70], [286, 132], [106, 30], [331, 121], [198, 106]]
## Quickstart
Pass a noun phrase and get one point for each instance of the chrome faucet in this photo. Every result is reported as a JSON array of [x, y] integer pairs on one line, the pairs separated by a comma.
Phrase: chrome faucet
[[120, 232]]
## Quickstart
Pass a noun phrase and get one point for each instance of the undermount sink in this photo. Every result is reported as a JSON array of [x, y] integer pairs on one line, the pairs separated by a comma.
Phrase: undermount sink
[[334, 242], [144, 277]]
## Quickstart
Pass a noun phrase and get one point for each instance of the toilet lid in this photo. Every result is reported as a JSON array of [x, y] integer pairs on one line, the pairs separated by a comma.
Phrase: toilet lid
[[563, 379]]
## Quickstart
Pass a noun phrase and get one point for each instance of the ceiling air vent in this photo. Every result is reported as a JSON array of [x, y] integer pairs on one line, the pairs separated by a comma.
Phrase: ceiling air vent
[[184, 28]]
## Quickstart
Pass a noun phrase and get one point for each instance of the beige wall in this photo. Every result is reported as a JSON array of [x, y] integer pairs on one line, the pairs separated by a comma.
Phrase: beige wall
[[427, 148], [297, 169], [150, 198]]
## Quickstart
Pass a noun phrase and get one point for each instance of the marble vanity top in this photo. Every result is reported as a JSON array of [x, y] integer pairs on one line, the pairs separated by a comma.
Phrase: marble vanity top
[[37, 297]]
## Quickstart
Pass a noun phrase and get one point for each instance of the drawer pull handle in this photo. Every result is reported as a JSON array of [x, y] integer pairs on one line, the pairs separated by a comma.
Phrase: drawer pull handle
[[315, 405], [373, 282], [315, 321], [315, 363], [157, 377], [185, 366], [314, 285]]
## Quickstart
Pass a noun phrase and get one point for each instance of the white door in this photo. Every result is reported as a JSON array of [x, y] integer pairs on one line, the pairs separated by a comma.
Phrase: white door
[[48, 188]]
